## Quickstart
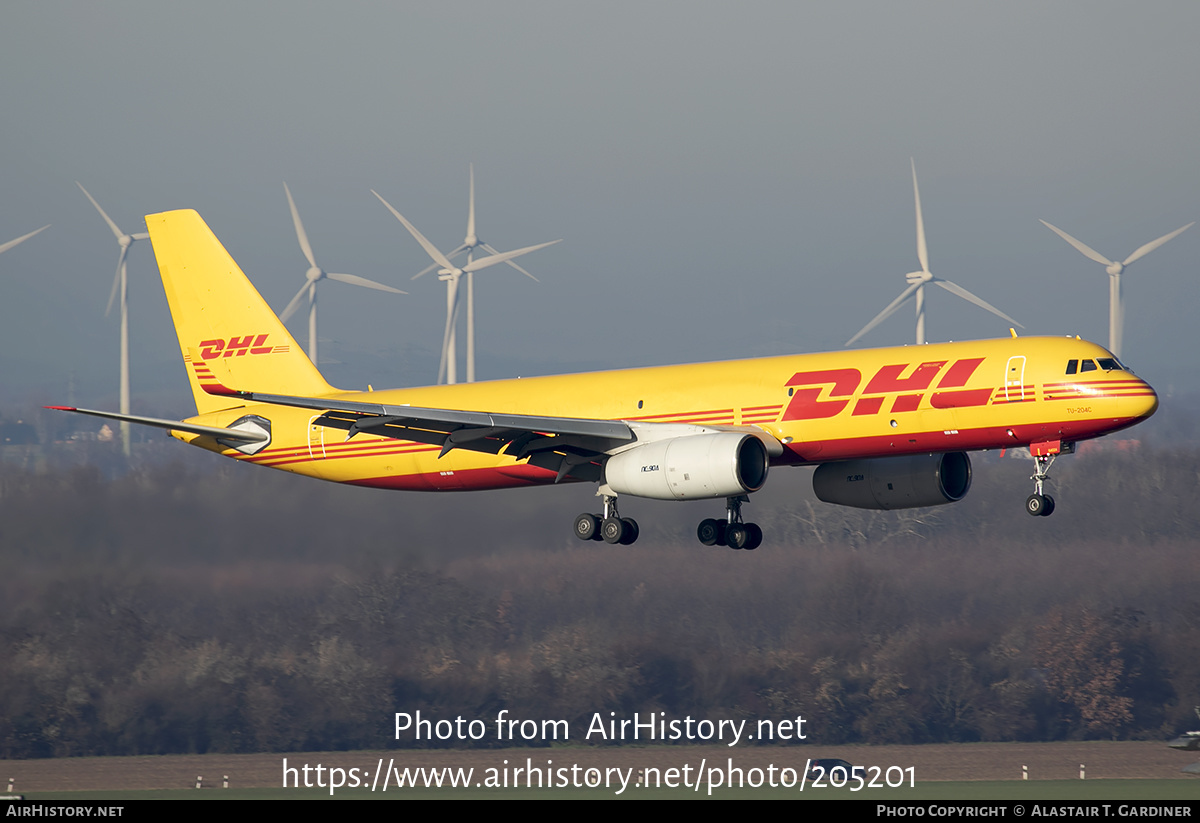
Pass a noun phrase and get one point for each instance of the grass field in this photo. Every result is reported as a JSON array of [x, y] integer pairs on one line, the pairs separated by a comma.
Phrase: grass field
[[1117, 791], [1136, 771]]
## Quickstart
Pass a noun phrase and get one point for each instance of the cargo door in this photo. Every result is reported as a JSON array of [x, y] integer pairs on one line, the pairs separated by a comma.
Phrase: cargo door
[[1014, 379]]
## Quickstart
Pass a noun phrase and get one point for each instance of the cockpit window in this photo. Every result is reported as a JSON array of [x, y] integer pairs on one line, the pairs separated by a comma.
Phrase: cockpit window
[[1072, 366], [1088, 365], [1109, 364]]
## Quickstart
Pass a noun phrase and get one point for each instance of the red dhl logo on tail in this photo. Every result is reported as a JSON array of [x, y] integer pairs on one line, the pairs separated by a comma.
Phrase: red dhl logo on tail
[[889, 380], [237, 347]]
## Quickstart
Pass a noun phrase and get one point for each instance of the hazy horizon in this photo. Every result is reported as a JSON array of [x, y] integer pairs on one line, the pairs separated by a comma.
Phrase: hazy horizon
[[728, 181]]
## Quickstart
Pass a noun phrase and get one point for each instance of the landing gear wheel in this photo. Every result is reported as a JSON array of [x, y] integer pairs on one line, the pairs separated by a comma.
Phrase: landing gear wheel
[[1036, 505], [587, 527], [754, 539], [736, 536], [612, 530], [630, 533], [1049, 507], [711, 532]]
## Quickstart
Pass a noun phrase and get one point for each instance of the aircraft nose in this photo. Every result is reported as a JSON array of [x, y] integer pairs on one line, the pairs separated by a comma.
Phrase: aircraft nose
[[1141, 403]]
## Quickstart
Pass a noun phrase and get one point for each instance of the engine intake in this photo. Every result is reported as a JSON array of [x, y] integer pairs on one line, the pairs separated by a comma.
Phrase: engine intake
[[724, 464], [895, 482]]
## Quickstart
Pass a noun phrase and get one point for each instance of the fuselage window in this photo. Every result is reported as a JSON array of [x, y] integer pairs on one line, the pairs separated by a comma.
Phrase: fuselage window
[[1109, 364], [1072, 366], [1088, 365]]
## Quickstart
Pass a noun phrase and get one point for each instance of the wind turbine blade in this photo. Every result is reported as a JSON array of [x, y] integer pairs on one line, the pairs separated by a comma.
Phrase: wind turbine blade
[[886, 313], [1144, 250], [956, 289], [471, 204], [295, 304], [20, 239], [142, 235], [484, 262], [117, 233], [355, 280], [425, 271], [1087, 251], [430, 249], [441, 378], [922, 249], [300, 234], [112, 295], [433, 266], [487, 247]]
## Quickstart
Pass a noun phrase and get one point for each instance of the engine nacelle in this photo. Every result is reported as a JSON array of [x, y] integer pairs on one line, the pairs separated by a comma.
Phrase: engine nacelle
[[895, 482], [724, 464]]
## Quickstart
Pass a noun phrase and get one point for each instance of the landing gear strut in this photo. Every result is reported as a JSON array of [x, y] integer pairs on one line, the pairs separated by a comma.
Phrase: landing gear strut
[[1040, 504], [731, 532], [608, 526]]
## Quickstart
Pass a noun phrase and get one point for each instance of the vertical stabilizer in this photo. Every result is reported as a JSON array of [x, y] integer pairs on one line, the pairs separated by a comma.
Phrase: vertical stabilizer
[[220, 315]]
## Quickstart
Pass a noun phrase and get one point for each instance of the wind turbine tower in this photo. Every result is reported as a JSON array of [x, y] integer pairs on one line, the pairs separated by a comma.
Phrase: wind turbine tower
[[917, 281], [1116, 311], [120, 286]]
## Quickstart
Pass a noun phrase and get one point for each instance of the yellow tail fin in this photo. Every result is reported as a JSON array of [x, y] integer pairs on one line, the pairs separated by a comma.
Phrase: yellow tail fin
[[220, 315]]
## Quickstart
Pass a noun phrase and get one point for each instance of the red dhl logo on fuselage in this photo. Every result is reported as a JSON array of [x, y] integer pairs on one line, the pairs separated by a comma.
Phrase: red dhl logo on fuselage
[[237, 347], [889, 380]]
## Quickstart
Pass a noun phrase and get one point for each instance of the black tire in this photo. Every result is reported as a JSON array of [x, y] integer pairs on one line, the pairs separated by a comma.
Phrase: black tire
[[1049, 508], [612, 530], [737, 536], [756, 536], [630, 535], [587, 526], [711, 532], [1035, 504]]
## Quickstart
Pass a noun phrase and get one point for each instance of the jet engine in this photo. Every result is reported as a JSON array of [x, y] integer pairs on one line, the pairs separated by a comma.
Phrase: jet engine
[[895, 482], [723, 464]]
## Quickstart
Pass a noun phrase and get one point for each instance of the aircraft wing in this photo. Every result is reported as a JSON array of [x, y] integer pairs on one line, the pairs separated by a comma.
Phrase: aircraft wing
[[566, 445]]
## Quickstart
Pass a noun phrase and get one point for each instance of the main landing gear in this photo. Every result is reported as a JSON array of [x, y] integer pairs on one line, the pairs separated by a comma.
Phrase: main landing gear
[[609, 526], [1040, 504], [731, 532]]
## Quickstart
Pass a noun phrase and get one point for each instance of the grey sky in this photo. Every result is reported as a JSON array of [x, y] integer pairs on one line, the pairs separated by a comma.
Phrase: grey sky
[[729, 180]]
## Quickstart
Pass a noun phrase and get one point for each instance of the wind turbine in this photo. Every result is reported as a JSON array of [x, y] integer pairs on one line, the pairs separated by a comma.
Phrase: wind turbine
[[120, 285], [314, 275], [469, 245], [11, 243], [451, 274], [918, 279], [1116, 312]]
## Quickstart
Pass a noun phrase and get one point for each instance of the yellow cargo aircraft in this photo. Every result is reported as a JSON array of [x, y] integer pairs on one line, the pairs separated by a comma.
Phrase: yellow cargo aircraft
[[887, 428]]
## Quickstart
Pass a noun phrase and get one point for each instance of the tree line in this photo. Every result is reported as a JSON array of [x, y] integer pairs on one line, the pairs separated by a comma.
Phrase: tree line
[[224, 608]]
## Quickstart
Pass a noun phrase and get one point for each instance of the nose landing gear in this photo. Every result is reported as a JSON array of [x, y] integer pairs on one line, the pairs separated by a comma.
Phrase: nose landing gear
[[1040, 504]]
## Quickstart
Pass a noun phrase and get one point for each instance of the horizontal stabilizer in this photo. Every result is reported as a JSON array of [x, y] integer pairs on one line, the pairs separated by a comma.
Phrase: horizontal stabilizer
[[238, 435]]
